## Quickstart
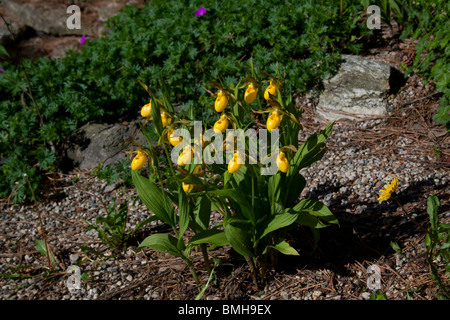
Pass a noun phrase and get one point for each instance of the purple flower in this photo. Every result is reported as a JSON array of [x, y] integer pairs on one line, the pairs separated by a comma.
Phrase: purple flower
[[83, 40], [200, 12], [2, 69]]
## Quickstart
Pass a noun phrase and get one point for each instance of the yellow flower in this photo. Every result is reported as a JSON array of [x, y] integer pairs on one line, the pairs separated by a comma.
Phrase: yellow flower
[[235, 163], [173, 138], [273, 121], [139, 161], [187, 187], [272, 89], [282, 162], [146, 110], [388, 190], [221, 101], [165, 119], [250, 94], [186, 156], [221, 125]]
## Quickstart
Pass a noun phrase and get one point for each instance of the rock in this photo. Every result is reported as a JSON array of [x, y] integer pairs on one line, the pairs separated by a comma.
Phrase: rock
[[359, 89], [95, 143], [109, 10], [17, 29], [47, 17]]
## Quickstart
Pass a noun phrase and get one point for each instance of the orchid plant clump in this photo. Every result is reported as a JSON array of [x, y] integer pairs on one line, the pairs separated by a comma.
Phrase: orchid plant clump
[[220, 169]]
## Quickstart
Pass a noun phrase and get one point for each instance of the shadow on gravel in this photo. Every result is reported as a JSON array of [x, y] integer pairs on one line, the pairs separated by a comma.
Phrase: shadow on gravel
[[363, 236]]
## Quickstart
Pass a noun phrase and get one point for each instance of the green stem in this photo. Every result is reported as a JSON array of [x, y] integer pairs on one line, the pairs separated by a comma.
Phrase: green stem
[[206, 258], [169, 159], [192, 269], [253, 188], [252, 266]]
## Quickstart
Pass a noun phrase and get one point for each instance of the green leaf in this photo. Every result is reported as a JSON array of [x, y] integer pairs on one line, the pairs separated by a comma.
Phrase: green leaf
[[217, 238], [317, 209], [284, 248], [202, 212], [432, 208], [184, 213], [238, 235], [239, 198], [274, 189], [276, 222], [397, 248], [162, 242], [3, 51], [40, 247], [156, 116], [154, 199]]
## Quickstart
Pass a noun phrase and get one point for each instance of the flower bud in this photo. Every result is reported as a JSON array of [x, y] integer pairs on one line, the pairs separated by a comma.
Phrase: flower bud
[[282, 162], [187, 187], [272, 89], [273, 121], [186, 156], [174, 139], [250, 94], [146, 110], [139, 161], [235, 163], [221, 125], [221, 101], [165, 119]]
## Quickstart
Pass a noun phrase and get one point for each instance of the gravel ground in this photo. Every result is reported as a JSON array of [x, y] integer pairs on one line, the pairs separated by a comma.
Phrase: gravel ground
[[362, 157], [347, 180]]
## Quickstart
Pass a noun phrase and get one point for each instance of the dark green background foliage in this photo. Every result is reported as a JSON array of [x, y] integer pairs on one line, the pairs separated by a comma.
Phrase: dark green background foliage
[[429, 21], [304, 39]]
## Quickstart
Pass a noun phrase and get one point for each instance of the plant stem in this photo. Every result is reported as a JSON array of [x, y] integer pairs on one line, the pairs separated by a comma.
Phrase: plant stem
[[192, 269], [41, 224], [252, 266], [206, 258]]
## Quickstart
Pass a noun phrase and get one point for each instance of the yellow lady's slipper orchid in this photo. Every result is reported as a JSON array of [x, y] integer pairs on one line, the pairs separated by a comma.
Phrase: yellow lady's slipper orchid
[[187, 187], [250, 94], [186, 156], [173, 138], [273, 121], [272, 89], [221, 101], [146, 110], [221, 125], [282, 162], [139, 161], [165, 119], [235, 163]]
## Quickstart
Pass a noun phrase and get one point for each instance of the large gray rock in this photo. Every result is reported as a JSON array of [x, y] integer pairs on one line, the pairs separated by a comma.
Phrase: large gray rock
[[45, 17], [95, 143], [359, 89]]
